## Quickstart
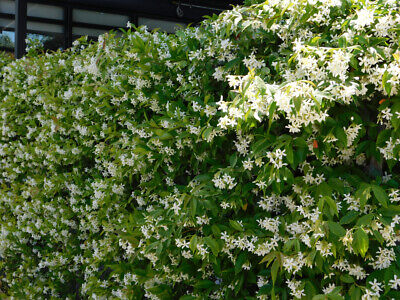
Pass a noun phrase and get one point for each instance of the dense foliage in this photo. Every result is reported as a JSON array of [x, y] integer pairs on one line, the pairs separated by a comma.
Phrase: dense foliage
[[253, 157], [5, 59]]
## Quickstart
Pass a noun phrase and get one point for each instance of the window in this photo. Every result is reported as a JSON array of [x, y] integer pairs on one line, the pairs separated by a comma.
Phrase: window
[[45, 11], [99, 18], [166, 26], [7, 40]]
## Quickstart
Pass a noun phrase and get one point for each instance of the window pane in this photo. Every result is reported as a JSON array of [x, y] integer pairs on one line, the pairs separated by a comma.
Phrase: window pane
[[94, 17], [50, 36], [7, 6], [7, 39], [45, 11], [45, 27], [87, 31], [49, 41], [7, 23], [166, 26]]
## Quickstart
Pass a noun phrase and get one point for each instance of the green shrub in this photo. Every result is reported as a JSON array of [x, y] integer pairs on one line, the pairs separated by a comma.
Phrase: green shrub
[[5, 58], [256, 156]]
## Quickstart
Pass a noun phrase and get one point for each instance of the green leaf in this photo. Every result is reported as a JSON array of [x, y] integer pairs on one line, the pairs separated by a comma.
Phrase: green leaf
[[321, 203], [365, 220], [187, 297], [162, 134], [129, 237], [363, 194], [360, 242], [289, 153], [292, 58], [325, 190], [160, 290], [386, 86], [332, 204], [271, 111], [204, 284], [193, 243], [260, 146], [310, 289], [268, 258], [336, 291], [346, 278], [274, 270], [236, 225], [354, 62], [297, 103], [380, 195], [215, 230], [335, 297], [300, 155], [383, 136], [314, 41], [378, 236], [232, 63], [265, 289], [320, 297], [286, 8], [212, 244], [206, 133], [241, 259], [356, 293], [239, 286], [233, 159], [349, 217], [193, 207], [300, 143], [337, 185], [361, 40], [203, 178], [139, 150], [390, 211], [340, 134], [336, 229]]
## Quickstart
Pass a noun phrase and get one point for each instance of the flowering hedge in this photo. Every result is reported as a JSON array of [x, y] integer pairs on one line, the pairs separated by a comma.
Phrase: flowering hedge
[[5, 58], [253, 157]]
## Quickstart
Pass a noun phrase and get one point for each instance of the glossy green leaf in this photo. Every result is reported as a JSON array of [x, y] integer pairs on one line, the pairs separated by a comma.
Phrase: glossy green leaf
[[336, 229], [212, 244], [360, 242], [274, 270], [349, 217], [380, 195]]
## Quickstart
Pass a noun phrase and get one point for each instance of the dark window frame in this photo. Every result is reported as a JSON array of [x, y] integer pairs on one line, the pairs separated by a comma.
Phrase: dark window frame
[[68, 24]]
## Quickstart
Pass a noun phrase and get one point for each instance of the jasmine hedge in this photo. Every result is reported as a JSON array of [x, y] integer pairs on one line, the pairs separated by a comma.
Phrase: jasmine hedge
[[253, 157]]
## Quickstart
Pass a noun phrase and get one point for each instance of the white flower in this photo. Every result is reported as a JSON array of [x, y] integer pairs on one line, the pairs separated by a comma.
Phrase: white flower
[[357, 271], [329, 288], [261, 184], [365, 17], [339, 63], [376, 287], [248, 164], [225, 205], [395, 282], [384, 258], [252, 63], [225, 182], [276, 158], [270, 224], [219, 74], [324, 248]]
